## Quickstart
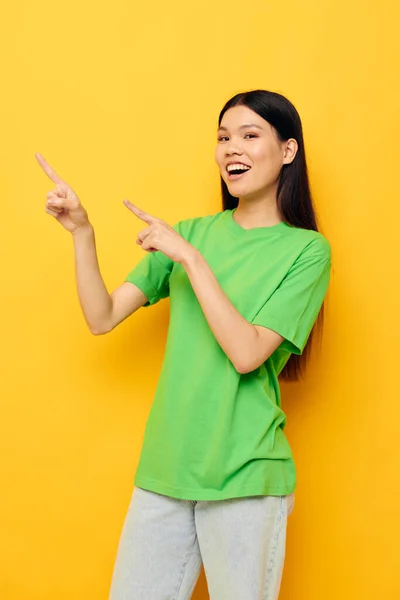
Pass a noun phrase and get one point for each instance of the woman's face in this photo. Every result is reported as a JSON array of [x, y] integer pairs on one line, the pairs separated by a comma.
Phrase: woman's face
[[245, 137]]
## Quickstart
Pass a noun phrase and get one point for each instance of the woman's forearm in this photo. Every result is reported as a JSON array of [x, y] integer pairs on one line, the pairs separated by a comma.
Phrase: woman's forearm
[[95, 301], [236, 336]]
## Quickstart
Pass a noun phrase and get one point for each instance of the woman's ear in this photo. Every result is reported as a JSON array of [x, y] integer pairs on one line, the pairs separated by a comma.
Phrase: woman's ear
[[290, 151]]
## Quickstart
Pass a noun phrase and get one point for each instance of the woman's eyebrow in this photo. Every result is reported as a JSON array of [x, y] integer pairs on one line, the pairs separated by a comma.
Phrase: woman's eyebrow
[[241, 127]]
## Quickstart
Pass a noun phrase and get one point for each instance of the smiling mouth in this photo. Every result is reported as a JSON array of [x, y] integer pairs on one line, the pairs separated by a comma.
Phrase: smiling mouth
[[236, 174]]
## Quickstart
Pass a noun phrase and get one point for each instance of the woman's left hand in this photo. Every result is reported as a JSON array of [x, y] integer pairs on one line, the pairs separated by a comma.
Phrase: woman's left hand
[[158, 235]]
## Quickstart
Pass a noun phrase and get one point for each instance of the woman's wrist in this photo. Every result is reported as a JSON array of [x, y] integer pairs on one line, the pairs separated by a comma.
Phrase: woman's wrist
[[191, 257], [83, 230]]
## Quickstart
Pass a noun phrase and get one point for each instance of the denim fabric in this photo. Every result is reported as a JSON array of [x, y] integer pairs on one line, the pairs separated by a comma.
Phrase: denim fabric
[[164, 541]]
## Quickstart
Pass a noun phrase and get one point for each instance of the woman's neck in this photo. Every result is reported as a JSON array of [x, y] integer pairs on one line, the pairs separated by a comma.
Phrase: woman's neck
[[257, 213]]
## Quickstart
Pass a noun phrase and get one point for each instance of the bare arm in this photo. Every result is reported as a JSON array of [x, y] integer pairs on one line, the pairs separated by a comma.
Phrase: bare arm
[[102, 311], [247, 345]]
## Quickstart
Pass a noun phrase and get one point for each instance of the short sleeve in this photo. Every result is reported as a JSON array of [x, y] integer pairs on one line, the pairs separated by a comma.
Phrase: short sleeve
[[152, 273], [294, 306]]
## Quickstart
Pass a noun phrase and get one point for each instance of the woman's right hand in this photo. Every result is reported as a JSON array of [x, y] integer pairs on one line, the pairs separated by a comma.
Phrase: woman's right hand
[[62, 202]]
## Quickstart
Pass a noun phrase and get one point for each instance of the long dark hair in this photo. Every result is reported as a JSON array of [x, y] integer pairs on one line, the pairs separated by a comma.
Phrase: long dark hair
[[294, 199]]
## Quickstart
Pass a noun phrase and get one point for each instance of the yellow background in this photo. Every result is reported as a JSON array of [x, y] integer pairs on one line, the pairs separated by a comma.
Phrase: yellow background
[[122, 99]]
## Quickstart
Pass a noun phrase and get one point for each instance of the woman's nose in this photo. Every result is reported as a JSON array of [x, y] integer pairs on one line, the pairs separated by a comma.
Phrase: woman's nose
[[233, 148]]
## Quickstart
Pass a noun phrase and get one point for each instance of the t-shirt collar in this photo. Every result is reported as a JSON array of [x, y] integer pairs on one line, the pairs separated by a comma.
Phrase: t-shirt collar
[[239, 230]]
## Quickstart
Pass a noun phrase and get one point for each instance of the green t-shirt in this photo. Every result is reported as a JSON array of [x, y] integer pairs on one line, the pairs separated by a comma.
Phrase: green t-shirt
[[213, 433]]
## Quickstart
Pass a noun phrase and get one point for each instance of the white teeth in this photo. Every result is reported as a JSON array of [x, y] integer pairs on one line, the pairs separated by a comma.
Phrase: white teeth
[[237, 166]]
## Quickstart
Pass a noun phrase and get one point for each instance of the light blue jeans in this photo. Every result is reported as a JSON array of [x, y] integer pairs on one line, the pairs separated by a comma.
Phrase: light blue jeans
[[164, 542]]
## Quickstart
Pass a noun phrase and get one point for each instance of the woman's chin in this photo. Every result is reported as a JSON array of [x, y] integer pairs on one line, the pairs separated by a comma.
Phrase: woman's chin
[[239, 189]]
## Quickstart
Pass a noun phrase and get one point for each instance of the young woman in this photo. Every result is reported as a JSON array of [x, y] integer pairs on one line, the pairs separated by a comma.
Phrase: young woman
[[216, 478]]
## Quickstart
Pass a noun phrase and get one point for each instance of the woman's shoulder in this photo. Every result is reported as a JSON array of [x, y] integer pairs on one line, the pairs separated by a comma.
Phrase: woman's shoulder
[[314, 243]]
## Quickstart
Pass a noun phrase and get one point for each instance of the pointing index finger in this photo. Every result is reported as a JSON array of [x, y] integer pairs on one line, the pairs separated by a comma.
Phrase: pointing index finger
[[50, 172], [141, 214]]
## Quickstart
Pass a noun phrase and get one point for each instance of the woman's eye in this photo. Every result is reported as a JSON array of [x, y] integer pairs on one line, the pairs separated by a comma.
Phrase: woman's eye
[[224, 137]]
